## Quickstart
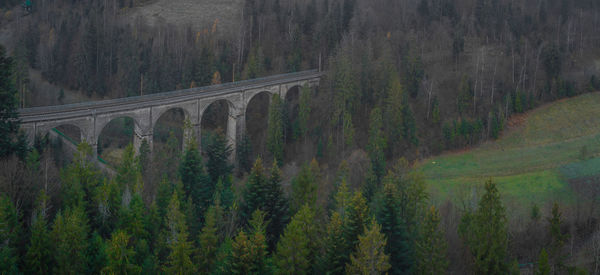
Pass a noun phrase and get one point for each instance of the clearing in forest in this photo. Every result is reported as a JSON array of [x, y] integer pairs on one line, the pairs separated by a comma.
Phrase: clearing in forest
[[550, 155]]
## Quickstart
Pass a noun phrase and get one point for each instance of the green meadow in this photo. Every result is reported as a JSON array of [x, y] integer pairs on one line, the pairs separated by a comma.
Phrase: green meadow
[[532, 162]]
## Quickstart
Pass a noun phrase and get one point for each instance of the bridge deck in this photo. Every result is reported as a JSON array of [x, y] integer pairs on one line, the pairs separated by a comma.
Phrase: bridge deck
[[102, 106]]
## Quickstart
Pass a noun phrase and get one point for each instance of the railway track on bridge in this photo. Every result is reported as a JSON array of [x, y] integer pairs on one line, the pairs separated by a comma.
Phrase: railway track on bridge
[[110, 105]]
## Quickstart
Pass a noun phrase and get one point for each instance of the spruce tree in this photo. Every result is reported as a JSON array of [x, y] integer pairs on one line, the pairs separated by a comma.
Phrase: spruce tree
[[208, 240], [70, 238], [296, 250], [275, 139], [354, 224], [376, 147], [276, 207], [38, 259], [304, 188], [180, 248], [369, 257], [218, 152], [431, 246], [244, 153], [128, 170], [486, 233], [120, 255], [543, 267], [249, 249], [196, 183], [557, 238], [332, 260], [9, 234], [9, 123], [255, 190], [304, 110], [393, 225]]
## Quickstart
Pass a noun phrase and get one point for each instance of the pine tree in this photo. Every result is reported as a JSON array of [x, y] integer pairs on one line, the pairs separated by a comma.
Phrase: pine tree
[[276, 207], [9, 125], [332, 260], [393, 110], [394, 226], [218, 152], [431, 247], [180, 248], [255, 190], [9, 234], [249, 250], [134, 222], [485, 233], [296, 250], [244, 152], [208, 241], [79, 178], [376, 147], [275, 139], [120, 255], [304, 110], [304, 187], [196, 183], [369, 257], [70, 237], [354, 224], [38, 259], [128, 171], [96, 254], [543, 267], [557, 238]]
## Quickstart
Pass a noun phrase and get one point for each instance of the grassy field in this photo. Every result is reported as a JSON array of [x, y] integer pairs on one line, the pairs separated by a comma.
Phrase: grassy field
[[533, 160]]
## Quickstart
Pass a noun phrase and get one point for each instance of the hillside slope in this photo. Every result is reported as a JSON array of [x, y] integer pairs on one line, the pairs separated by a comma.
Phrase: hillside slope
[[536, 161]]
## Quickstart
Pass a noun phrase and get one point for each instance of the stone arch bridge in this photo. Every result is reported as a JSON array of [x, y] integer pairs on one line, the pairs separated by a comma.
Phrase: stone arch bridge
[[92, 117]]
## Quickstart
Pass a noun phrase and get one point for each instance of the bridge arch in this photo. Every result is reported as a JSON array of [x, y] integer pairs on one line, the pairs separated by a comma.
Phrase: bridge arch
[[117, 131], [257, 117], [219, 114], [169, 120]]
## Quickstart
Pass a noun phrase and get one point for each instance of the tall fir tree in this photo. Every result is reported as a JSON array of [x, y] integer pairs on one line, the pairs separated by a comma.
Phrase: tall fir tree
[[369, 257], [180, 248], [376, 148], [431, 246], [276, 207], [543, 266], [218, 152], [38, 259], [255, 190], [304, 187], [10, 230], [249, 249], [9, 123], [275, 138], [393, 225], [244, 154], [486, 234], [557, 239], [332, 259], [208, 242], [70, 237], [304, 110], [128, 170], [354, 224], [120, 255], [297, 248], [196, 182]]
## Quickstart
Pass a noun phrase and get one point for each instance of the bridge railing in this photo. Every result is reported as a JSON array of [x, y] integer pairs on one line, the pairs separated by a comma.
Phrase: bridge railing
[[169, 94]]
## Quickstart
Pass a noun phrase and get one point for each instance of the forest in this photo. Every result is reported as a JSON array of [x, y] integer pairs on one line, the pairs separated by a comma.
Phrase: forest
[[327, 183]]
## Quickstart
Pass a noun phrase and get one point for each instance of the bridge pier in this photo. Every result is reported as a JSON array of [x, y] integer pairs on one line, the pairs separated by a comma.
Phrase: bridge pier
[[191, 134], [140, 135]]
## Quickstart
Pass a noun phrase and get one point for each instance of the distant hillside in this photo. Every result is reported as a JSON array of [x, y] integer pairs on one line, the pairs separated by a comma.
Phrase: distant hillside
[[224, 15], [540, 158]]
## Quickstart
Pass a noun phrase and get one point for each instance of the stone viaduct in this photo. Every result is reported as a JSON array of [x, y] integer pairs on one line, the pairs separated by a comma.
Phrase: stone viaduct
[[92, 117]]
